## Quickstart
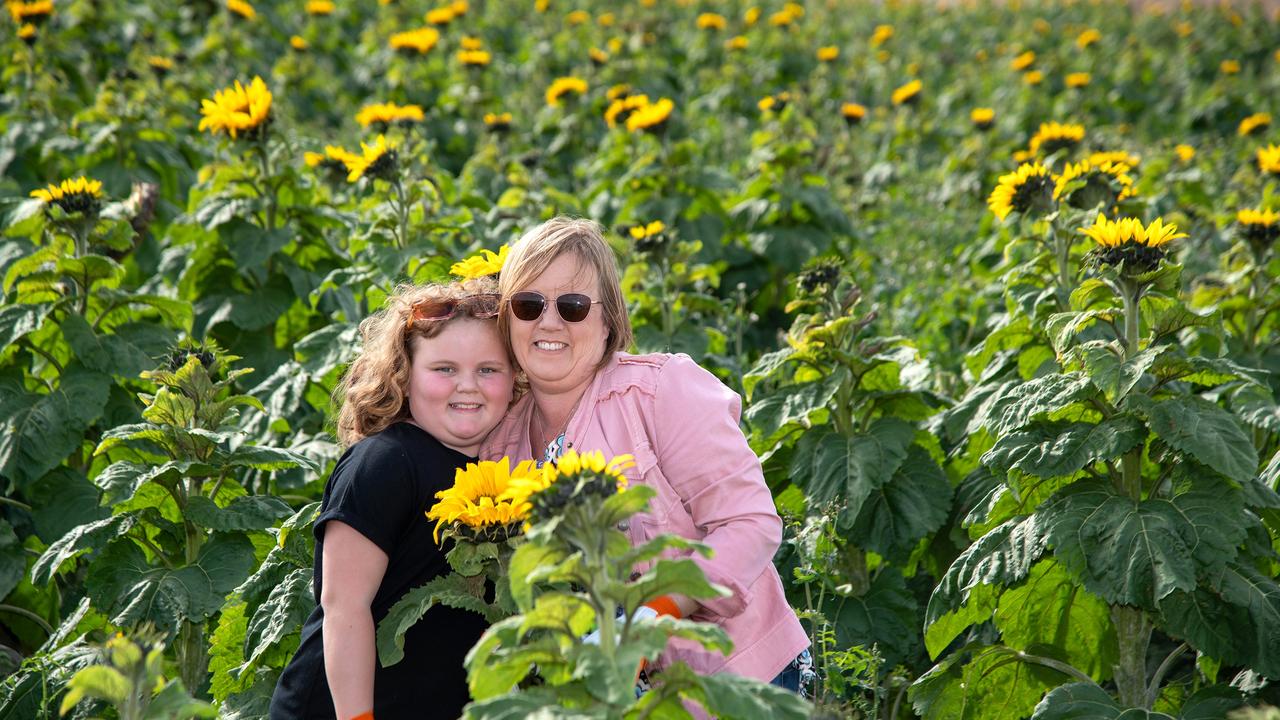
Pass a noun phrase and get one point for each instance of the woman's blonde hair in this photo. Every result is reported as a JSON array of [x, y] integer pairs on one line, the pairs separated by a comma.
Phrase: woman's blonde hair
[[373, 394], [534, 252]]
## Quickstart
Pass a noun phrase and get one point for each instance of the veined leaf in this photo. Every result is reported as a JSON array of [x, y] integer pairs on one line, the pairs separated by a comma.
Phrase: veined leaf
[[1063, 327], [832, 467], [794, 403], [728, 695], [914, 503], [1111, 374], [1086, 701], [86, 537], [13, 561], [1051, 609], [104, 353], [451, 590], [993, 683], [282, 614], [886, 615], [247, 512], [38, 431], [1060, 449], [1023, 403], [1207, 433], [17, 321], [1138, 552]]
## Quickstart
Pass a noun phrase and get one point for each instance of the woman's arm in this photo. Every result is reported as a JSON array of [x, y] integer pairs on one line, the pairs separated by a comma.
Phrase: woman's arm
[[352, 567]]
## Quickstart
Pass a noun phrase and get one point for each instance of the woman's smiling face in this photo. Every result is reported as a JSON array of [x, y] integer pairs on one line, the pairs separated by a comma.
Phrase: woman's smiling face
[[559, 356]]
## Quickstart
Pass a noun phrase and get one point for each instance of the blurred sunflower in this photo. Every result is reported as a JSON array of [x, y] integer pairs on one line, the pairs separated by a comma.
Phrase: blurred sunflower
[[75, 195], [1253, 123], [471, 43], [1087, 38], [882, 35], [1127, 243], [1053, 136], [483, 264], [649, 239], [1269, 159], [242, 8], [563, 85], [319, 7], [29, 13], [853, 113], [477, 506], [497, 122], [711, 21], [775, 102], [418, 41], [607, 19], [737, 42], [1105, 182], [617, 91], [1260, 228], [1229, 67], [751, 16], [1115, 156], [332, 162], [1078, 80], [1030, 187], [440, 16], [651, 118], [908, 94], [1023, 61], [374, 161], [982, 118], [1033, 77], [598, 57], [577, 17], [619, 110], [459, 7], [474, 58], [387, 113], [1185, 152], [27, 33], [828, 53], [299, 43], [238, 109], [160, 65]]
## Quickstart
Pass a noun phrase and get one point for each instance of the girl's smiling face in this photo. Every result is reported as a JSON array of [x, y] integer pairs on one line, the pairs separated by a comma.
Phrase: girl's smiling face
[[460, 383]]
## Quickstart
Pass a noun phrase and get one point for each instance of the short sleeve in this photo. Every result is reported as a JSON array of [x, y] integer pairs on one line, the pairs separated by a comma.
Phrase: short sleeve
[[372, 490]]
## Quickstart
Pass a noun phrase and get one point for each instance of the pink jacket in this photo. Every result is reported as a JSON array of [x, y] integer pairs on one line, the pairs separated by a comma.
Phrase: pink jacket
[[681, 424]]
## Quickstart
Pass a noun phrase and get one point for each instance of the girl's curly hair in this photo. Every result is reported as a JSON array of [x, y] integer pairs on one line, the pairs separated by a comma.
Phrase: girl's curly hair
[[373, 394]]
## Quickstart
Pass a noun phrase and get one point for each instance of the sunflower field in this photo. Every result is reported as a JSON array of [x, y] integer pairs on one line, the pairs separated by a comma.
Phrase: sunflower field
[[998, 282]]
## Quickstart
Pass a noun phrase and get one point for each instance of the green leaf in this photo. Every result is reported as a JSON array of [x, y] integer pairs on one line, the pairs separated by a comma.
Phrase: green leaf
[[887, 615], [672, 577], [124, 584], [99, 682], [1243, 586], [1211, 702], [174, 703], [993, 683], [1050, 609], [1138, 552], [1206, 432], [37, 432], [1057, 449], [832, 467], [1063, 327], [92, 536], [765, 367], [914, 503], [527, 558], [451, 590], [13, 559], [247, 512], [18, 321], [1111, 374], [794, 403], [104, 353], [1085, 701], [249, 245], [1023, 403], [226, 651], [282, 614], [728, 695]]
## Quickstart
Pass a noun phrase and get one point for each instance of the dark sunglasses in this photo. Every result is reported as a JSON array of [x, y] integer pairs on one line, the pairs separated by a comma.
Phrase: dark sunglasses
[[573, 307], [481, 306]]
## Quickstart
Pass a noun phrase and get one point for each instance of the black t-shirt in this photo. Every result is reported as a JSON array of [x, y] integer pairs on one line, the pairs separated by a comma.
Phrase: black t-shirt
[[382, 486]]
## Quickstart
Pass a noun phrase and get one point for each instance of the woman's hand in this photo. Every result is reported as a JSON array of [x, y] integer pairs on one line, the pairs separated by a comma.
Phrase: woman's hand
[[352, 567]]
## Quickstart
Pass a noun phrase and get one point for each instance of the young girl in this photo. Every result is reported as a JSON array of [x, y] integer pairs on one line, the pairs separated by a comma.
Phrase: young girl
[[433, 379]]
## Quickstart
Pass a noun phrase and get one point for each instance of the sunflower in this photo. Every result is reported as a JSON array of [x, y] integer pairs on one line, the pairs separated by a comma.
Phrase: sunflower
[[29, 13], [1078, 79], [242, 8], [651, 118], [1104, 182], [564, 85], [1030, 187], [1128, 244], [907, 94], [1186, 152], [828, 53], [299, 43], [649, 238], [418, 41], [1054, 136], [474, 58], [1229, 67], [384, 114], [1033, 77], [620, 109], [76, 195], [853, 113], [1087, 38], [459, 7], [982, 118], [497, 122], [484, 264], [598, 57], [737, 42], [27, 33], [881, 35], [375, 161], [577, 17], [1269, 159], [782, 18], [160, 65], [1260, 228], [1183, 28], [1253, 123], [319, 7], [751, 16], [1023, 61], [440, 16], [238, 109], [1115, 156], [573, 478], [711, 21], [471, 43], [607, 19], [475, 507], [775, 102], [620, 90]]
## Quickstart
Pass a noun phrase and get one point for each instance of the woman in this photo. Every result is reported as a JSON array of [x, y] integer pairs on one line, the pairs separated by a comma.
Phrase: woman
[[565, 319], [433, 379]]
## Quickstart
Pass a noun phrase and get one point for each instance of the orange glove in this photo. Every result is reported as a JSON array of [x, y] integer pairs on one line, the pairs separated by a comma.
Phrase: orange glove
[[662, 605], [367, 715]]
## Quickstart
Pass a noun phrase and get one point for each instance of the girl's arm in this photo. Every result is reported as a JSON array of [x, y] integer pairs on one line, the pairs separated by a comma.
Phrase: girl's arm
[[352, 567]]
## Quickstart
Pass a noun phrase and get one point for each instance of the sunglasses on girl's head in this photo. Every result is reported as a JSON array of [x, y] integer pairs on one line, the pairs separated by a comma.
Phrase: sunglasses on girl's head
[[573, 307], [481, 306]]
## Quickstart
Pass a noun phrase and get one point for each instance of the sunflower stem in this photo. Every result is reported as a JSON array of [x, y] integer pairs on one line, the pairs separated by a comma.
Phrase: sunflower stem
[[264, 159], [402, 213]]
